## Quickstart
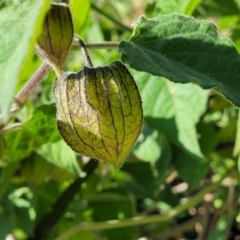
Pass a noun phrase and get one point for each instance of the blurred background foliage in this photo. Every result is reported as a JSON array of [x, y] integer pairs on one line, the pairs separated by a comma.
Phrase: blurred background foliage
[[47, 191]]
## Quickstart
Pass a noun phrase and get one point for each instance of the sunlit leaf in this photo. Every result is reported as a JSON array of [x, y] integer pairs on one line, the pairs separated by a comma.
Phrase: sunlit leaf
[[171, 109], [60, 154], [20, 25], [41, 128], [79, 10]]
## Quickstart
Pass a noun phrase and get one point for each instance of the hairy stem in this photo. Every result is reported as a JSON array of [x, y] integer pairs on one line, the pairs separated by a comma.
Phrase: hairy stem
[[36, 78], [103, 45], [22, 96]]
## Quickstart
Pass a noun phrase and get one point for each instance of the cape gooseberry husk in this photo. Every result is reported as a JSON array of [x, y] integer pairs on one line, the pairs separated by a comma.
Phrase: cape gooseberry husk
[[99, 112], [56, 37]]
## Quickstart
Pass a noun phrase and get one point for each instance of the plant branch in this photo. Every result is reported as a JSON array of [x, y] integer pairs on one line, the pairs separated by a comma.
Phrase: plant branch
[[103, 45], [11, 127], [22, 96], [124, 27], [35, 79], [141, 219], [26, 90], [209, 221]]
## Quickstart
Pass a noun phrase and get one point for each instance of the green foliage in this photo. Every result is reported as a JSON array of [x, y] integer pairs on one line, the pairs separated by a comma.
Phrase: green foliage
[[185, 165], [184, 50], [20, 26], [79, 10], [61, 155], [165, 110], [32, 134]]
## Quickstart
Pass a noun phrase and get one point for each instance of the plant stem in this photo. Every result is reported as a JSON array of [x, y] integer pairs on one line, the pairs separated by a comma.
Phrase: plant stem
[[11, 127], [22, 96], [97, 45], [102, 45], [86, 58], [141, 219], [97, 9], [26, 90], [24, 93]]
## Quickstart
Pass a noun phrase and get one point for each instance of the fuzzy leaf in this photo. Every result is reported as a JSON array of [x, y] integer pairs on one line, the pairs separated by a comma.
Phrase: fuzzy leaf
[[184, 49]]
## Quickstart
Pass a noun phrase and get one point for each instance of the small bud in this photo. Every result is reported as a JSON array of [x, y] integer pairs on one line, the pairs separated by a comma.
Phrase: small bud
[[99, 112], [56, 38]]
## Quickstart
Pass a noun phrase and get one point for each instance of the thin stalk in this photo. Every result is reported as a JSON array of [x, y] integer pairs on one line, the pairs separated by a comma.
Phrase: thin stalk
[[22, 96], [209, 221], [35, 79], [97, 9], [141, 219], [104, 45], [11, 127], [86, 58]]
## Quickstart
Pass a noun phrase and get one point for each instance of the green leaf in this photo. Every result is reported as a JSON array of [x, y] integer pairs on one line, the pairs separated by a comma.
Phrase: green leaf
[[41, 128], [191, 6], [184, 49], [2, 146], [144, 181], [207, 137], [171, 109], [147, 148], [79, 10], [220, 229], [60, 154], [20, 25], [6, 217], [37, 170], [163, 163], [24, 208], [231, 21], [173, 6], [217, 8], [189, 169], [6, 174], [154, 148]]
